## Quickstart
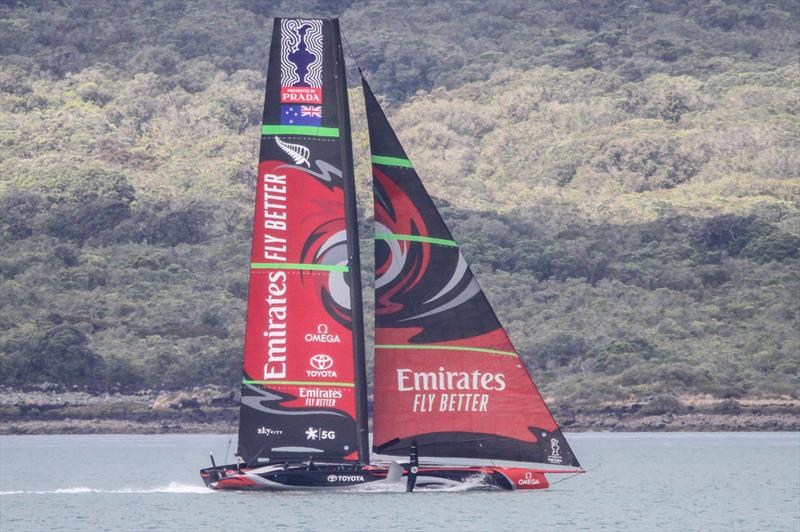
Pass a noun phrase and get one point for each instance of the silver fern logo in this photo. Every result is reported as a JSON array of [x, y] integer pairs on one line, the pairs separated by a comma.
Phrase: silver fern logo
[[297, 152]]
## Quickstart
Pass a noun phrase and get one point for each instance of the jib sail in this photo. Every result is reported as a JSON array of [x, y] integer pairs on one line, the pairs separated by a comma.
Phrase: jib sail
[[304, 359], [446, 374]]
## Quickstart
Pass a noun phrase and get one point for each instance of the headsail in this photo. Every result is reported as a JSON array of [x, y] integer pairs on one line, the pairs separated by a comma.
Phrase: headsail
[[304, 340], [446, 373]]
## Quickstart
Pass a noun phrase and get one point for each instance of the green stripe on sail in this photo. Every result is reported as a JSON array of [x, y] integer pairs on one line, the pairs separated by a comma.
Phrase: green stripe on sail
[[391, 161], [310, 131], [446, 348], [295, 266], [416, 238], [300, 383]]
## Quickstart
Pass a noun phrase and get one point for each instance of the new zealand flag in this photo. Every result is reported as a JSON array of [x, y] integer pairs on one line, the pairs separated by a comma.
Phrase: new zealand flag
[[301, 115]]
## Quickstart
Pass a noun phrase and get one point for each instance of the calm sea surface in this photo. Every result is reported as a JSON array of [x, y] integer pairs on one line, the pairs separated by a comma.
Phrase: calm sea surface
[[642, 482]]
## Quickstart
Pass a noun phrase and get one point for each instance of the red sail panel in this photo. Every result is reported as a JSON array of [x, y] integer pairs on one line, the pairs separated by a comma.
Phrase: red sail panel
[[298, 391], [446, 373]]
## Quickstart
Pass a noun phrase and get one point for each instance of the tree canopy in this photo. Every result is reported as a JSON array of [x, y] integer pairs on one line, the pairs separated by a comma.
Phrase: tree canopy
[[623, 177]]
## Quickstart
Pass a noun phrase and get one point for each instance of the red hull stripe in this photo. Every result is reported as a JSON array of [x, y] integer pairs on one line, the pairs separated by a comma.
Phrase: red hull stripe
[[299, 383], [447, 348], [297, 266], [416, 238], [310, 131], [392, 161]]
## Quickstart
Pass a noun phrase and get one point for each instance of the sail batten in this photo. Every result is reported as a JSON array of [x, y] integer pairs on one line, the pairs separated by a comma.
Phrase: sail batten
[[391, 161], [416, 238], [447, 376], [303, 131], [446, 348], [299, 383]]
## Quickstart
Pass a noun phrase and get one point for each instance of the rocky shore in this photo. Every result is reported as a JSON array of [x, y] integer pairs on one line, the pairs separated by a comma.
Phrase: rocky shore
[[54, 410]]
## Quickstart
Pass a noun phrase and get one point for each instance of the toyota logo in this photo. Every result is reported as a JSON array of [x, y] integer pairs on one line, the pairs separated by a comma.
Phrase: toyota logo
[[321, 362]]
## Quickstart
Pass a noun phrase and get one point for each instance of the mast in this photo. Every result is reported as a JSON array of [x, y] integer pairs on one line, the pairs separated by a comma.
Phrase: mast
[[354, 255]]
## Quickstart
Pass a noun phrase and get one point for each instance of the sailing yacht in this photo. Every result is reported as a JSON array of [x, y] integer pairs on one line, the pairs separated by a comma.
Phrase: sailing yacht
[[448, 384]]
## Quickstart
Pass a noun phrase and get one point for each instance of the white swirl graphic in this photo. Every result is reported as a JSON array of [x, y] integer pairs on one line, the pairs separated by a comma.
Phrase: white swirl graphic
[[291, 40], [334, 252]]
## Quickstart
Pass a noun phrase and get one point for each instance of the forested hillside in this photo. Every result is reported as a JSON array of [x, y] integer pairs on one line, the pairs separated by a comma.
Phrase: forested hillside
[[623, 176]]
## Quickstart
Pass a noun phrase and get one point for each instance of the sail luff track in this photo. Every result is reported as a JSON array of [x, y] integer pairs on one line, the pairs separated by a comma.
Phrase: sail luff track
[[354, 254]]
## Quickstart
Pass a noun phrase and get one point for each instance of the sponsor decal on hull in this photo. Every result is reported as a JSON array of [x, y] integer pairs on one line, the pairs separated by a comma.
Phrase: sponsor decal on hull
[[525, 479], [345, 478], [529, 480]]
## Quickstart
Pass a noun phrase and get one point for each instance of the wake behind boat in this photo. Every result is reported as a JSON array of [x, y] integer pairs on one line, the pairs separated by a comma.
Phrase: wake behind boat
[[448, 381]]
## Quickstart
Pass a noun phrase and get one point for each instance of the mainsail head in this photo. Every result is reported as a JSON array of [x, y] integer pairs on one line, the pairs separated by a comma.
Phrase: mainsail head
[[446, 373], [303, 344]]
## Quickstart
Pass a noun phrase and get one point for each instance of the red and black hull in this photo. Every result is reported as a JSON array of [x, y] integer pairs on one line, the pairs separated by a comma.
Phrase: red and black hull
[[344, 476]]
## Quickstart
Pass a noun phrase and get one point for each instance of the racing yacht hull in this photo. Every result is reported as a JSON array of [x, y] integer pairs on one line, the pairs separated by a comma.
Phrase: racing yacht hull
[[304, 476]]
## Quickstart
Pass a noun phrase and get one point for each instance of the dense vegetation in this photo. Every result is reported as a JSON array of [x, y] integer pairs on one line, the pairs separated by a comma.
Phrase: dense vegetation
[[623, 177]]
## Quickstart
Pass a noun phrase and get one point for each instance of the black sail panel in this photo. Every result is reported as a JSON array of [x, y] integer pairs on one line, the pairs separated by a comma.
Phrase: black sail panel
[[446, 373]]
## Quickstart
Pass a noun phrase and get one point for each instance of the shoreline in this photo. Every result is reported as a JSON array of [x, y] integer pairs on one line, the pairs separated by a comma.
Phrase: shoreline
[[215, 410]]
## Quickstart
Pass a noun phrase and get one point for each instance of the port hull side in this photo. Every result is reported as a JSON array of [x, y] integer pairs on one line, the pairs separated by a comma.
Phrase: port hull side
[[344, 476]]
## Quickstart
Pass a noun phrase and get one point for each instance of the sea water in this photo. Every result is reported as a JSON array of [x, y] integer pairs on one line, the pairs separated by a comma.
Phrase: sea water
[[635, 481]]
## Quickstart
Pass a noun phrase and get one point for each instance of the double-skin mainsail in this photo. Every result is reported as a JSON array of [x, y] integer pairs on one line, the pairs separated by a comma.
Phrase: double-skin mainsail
[[446, 373], [304, 386]]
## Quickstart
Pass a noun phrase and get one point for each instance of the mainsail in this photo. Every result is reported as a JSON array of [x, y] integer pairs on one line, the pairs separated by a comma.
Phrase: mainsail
[[446, 373], [303, 392]]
